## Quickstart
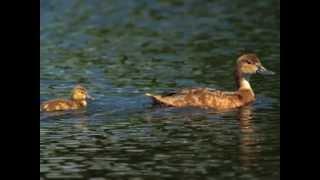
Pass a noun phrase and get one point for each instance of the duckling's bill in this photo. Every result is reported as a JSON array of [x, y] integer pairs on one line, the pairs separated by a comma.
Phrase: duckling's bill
[[90, 97]]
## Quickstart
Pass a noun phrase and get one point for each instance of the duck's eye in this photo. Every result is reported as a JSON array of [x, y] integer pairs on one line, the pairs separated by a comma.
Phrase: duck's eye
[[249, 62]]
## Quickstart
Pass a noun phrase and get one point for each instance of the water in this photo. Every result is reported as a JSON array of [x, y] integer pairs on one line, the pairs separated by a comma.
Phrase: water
[[120, 50]]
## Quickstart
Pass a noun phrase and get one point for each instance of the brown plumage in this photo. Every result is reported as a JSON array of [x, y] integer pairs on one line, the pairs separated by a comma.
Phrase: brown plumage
[[78, 100], [247, 65]]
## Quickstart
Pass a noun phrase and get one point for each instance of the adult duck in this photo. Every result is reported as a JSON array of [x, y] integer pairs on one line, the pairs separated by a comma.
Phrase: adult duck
[[247, 65]]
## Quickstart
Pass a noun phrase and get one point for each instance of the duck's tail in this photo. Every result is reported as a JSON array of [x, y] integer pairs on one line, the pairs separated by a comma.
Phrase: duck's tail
[[153, 95], [158, 100], [148, 94], [155, 98]]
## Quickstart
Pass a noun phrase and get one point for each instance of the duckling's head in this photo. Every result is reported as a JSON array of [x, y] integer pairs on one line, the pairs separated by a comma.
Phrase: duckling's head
[[250, 64], [79, 93]]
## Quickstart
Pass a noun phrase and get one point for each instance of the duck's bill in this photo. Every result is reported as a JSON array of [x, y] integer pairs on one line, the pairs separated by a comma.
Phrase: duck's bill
[[90, 97], [262, 70]]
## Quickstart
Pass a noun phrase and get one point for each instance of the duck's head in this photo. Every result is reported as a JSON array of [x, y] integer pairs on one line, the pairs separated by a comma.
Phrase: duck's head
[[79, 93], [250, 64]]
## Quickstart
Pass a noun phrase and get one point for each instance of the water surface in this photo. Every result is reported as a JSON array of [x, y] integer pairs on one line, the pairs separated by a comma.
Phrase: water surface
[[120, 50]]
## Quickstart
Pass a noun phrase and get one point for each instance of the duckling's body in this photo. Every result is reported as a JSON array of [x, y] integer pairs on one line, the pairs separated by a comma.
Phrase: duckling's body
[[62, 105], [208, 98], [78, 100]]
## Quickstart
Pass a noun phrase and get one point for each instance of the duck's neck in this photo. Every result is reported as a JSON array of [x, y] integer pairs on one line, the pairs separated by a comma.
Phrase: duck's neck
[[242, 82]]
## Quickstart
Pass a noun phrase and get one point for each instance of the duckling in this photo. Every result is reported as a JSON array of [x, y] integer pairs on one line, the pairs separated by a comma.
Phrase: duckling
[[247, 65], [78, 100]]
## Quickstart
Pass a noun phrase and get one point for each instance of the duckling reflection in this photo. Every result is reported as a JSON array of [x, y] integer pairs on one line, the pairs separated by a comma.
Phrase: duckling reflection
[[248, 145], [58, 115], [82, 124]]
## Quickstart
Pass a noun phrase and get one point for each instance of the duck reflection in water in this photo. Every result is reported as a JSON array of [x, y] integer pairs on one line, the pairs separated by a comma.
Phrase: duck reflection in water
[[248, 145]]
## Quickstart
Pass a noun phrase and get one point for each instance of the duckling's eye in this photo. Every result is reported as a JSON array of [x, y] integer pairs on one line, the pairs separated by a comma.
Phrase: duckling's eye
[[249, 62]]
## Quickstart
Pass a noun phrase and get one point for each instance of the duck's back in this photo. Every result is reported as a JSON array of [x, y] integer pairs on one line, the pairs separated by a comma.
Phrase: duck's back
[[200, 97], [59, 105]]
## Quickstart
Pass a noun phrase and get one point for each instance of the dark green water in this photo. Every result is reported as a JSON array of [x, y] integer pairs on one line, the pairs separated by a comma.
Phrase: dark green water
[[122, 49]]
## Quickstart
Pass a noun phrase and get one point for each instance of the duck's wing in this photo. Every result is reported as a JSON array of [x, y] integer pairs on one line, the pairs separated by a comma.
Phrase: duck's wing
[[194, 91], [55, 105], [204, 97], [186, 91], [177, 97]]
